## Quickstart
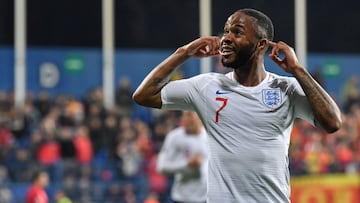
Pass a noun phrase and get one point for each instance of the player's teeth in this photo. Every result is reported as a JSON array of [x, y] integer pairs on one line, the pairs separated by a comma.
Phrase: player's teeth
[[226, 50]]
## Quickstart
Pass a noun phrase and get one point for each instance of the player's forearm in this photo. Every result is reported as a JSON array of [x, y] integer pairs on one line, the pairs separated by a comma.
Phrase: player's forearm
[[148, 92], [170, 167], [326, 112]]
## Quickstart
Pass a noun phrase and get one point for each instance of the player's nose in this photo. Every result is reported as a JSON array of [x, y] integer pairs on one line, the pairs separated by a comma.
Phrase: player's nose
[[225, 39]]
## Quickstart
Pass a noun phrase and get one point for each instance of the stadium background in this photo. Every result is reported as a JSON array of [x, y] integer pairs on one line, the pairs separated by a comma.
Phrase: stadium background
[[108, 155]]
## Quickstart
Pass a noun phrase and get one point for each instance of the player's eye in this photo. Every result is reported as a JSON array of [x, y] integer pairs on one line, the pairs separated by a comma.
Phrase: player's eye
[[238, 32]]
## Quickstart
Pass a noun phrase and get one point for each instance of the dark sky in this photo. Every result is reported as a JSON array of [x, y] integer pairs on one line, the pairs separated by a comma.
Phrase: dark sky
[[332, 24]]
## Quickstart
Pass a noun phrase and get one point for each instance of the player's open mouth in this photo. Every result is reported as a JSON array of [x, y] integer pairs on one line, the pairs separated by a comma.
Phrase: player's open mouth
[[226, 50]]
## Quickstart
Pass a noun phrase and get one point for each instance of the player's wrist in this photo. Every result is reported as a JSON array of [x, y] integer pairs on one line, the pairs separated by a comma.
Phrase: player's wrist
[[299, 71]]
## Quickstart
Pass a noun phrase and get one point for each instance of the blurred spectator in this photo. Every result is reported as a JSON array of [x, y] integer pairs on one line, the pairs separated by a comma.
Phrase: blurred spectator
[[128, 153], [144, 139], [129, 194], [96, 134], [350, 93], [18, 123], [123, 97], [85, 190], [6, 140], [159, 132], [48, 152], [5, 195], [4, 102], [95, 97], [66, 143], [152, 198], [60, 197], [72, 111], [114, 193], [125, 123], [344, 155], [37, 193], [110, 132], [4, 176], [36, 139], [31, 113], [75, 111], [83, 147], [21, 167], [316, 157], [64, 117], [70, 187], [44, 103], [158, 183]]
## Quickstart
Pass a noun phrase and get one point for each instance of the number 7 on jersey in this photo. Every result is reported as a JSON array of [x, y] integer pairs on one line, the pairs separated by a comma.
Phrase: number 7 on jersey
[[224, 103]]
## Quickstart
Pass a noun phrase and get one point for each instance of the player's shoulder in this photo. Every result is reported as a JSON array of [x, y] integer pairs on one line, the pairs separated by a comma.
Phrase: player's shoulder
[[201, 81], [274, 76], [281, 80]]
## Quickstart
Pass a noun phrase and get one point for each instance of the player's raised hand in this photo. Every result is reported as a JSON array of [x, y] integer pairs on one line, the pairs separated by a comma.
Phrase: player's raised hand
[[290, 62], [203, 47]]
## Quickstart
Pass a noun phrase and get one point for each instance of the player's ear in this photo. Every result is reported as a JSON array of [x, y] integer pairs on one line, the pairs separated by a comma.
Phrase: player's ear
[[262, 44]]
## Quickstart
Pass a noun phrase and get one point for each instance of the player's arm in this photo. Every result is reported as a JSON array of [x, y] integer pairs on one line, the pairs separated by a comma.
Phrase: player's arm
[[167, 164], [170, 166], [326, 112], [149, 91]]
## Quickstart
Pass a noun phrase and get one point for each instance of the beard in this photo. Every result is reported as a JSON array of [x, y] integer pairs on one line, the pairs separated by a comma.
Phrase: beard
[[242, 57]]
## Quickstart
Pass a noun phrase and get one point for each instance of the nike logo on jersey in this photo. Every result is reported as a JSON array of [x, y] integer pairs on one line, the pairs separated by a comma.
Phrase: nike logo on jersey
[[222, 92]]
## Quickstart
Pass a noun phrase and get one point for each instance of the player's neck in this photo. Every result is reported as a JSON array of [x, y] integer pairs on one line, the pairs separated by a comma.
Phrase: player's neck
[[194, 131], [250, 76], [39, 185]]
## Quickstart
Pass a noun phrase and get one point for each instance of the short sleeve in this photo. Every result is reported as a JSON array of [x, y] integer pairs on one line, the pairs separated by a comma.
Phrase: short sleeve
[[302, 107], [180, 94]]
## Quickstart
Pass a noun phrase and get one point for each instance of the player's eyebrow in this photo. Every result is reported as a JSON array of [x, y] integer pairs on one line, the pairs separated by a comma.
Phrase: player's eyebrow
[[237, 25], [240, 25]]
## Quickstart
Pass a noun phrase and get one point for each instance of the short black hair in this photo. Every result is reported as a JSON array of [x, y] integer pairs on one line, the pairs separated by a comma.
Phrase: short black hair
[[36, 174], [266, 27]]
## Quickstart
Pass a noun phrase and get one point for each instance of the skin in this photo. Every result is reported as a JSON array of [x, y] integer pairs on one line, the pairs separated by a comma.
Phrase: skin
[[42, 180], [246, 57], [192, 123]]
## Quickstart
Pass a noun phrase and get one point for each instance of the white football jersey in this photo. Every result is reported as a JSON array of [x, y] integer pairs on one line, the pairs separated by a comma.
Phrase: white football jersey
[[190, 184], [249, 132]]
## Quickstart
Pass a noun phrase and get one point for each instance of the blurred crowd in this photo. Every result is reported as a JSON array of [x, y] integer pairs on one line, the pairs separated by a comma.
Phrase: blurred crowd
[[95, 154], [315, 152]]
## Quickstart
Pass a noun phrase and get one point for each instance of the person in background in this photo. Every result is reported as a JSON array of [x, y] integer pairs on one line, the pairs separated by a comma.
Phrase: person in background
[[61, 197], [184, 154], [123, 98], [37, 193]]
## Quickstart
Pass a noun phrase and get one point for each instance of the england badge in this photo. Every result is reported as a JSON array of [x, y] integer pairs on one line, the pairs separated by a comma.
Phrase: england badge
[[271, 97]]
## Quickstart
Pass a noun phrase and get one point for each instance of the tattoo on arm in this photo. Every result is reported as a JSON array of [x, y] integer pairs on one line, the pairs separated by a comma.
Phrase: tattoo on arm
[[159, 84], [156, 82], [324, 108]]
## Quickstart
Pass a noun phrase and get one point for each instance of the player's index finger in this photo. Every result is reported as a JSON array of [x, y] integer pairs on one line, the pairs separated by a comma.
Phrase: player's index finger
[[271, 43]]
